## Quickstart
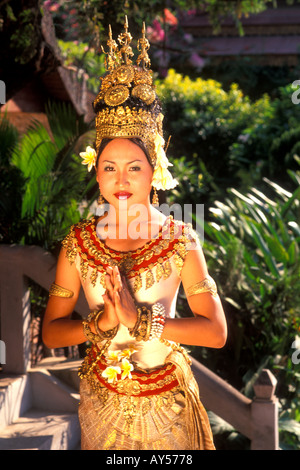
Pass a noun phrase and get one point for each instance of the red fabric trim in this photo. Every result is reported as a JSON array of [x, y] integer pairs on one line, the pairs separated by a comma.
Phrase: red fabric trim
[[137, 378], [84, 252]]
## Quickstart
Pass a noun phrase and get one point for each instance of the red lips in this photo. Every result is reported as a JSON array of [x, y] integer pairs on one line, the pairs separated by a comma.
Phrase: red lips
[[122, 195]]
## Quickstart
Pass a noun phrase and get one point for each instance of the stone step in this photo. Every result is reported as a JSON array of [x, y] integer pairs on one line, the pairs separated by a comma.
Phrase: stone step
[[39, 410], [50, 393], [42, 430], [15, 398], [64, 369]]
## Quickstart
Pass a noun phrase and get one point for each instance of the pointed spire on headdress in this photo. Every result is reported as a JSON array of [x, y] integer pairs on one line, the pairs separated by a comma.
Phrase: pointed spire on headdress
[[125, 39], [143, 45], [110, 60]]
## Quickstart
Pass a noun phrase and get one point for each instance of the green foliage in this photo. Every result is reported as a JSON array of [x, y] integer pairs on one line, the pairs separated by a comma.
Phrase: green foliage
[[289, 391], [91, 17], [11, 185], [270, 140], [225, 436], [253, 78], [24, 41], [205, 122], [85, 59], [56, 184], [252, 248], [259, 267]]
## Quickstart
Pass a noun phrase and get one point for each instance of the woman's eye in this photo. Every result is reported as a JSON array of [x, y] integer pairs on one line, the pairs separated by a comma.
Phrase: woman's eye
[[108, 168], [135, 168]]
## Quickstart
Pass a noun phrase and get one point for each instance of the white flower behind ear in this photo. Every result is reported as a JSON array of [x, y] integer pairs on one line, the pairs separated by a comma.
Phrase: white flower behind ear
[[89, 157], [162, 178]]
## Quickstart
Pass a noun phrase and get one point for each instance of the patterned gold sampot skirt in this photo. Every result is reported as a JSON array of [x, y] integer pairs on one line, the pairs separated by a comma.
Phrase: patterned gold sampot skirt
[[157, 411]]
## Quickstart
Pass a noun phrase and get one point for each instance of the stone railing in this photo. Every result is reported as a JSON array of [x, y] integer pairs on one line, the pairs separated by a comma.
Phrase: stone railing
[[257, 419]]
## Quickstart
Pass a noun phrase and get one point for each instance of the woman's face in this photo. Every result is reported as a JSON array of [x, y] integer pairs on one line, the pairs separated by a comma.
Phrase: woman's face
[[124, 174]]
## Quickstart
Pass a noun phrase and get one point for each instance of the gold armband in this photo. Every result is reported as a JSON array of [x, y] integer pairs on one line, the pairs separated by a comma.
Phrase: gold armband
[[59, 291], [207, 285]]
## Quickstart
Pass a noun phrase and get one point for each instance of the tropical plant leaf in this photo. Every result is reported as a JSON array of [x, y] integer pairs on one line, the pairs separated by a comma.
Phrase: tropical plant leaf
[[56, 182], [293, 252], [294, 199]]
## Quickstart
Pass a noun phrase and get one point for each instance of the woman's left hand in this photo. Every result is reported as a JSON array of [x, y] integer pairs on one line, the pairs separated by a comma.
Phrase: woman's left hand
[[124, 305]]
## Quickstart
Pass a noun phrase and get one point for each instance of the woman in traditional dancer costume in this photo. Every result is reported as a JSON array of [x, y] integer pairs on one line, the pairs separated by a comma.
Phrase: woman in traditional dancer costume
[[137, 391]]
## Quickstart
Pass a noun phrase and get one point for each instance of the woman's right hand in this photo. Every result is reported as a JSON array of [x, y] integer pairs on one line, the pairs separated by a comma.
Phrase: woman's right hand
[[109, 319]]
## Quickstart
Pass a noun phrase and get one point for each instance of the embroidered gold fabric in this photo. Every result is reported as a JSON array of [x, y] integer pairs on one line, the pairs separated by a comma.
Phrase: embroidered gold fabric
[[173, 420], [141, 383], [152, 260]]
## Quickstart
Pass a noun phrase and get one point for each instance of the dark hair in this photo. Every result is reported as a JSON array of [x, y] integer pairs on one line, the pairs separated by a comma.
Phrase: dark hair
[[135, 140]]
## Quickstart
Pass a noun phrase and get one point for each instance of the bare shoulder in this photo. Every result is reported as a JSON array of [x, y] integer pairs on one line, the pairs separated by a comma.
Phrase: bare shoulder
[[194, 267]]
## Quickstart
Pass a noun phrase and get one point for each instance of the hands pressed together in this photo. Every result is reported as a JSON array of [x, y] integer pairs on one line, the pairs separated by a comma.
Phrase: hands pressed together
[[119, 306]]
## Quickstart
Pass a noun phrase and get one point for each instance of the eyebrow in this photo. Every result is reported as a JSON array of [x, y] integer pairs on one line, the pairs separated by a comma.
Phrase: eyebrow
[[110, 161]]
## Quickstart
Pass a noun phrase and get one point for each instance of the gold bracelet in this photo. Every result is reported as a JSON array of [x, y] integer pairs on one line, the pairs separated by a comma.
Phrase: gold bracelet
[[59, 291], [90, 336], [142, 328], [133, 330], [207, 285], [100, 335], [94, 338], [109, 334]]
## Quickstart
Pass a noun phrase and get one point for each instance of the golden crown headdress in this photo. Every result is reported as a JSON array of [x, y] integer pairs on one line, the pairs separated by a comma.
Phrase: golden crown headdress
[[127, 105]]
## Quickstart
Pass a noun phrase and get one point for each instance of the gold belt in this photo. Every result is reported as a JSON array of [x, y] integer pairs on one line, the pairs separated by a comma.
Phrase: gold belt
[[141, 384]]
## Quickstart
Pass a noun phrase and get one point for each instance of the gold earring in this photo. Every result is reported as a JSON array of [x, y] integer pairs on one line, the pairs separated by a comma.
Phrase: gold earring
[[100, 200], [155, 201]]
